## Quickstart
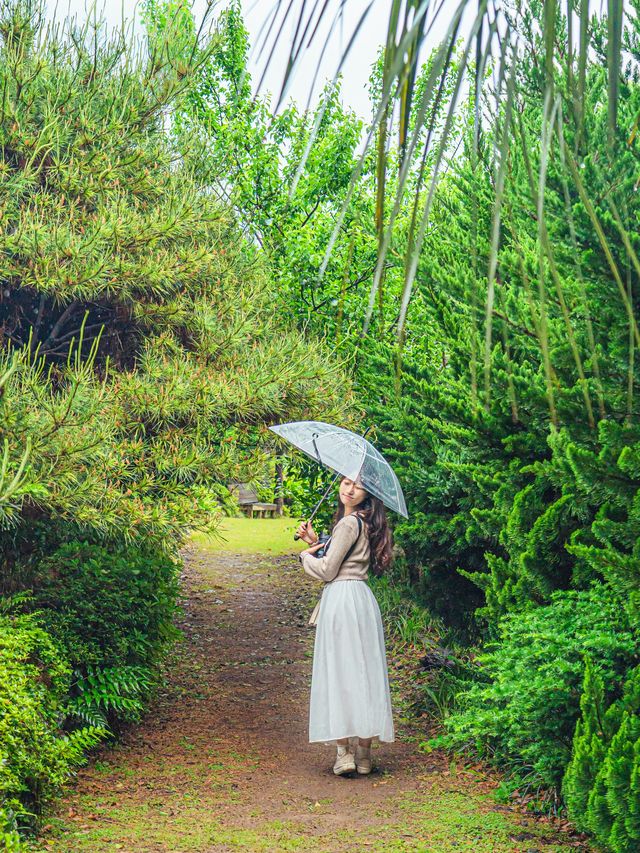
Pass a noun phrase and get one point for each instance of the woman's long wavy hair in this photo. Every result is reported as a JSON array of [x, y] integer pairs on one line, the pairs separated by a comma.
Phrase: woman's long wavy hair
[[374, 514]]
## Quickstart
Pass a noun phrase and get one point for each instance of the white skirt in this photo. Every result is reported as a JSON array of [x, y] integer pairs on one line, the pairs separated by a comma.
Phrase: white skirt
[[350, 694]]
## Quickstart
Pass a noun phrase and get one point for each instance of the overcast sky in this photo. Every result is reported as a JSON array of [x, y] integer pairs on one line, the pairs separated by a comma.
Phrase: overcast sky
[[356, 70]]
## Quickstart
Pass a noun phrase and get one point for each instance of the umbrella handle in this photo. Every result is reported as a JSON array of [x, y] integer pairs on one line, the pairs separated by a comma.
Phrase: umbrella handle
[[319, 504]]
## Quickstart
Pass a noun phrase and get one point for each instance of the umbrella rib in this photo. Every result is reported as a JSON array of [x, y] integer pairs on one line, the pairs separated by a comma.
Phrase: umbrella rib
[[315, 447], [364, 456]]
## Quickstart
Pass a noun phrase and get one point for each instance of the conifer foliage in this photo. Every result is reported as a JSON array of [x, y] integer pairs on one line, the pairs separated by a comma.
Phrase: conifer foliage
[[112, 251], [602, 782], [529, 487], [509, 409]]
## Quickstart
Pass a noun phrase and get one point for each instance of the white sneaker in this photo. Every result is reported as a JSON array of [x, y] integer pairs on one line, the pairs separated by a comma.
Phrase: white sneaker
[[344, 764], [363, 759]]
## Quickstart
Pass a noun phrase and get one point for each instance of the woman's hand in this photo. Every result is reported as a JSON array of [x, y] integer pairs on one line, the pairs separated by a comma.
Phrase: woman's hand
[[307, 533], [313, 548]]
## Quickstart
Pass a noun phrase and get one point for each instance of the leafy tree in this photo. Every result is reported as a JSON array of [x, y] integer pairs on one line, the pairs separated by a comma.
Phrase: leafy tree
[[510, 416], [521, 711]]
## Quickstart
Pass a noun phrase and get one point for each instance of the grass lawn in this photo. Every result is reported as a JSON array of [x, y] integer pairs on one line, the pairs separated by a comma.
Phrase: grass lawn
[[254, 536]]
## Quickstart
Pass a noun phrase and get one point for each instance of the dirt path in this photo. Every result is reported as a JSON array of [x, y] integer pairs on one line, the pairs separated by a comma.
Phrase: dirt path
[[222, 761]]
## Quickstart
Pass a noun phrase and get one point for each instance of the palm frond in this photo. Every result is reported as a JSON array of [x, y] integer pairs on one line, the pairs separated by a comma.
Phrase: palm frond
[[430, 100], [582, 67], [613, 266], [426, 122]]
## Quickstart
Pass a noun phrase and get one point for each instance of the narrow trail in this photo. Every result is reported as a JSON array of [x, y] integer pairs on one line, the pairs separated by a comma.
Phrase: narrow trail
[[222, 762]]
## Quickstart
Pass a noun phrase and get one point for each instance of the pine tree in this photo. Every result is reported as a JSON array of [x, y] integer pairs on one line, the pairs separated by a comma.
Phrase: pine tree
[[142, 344]]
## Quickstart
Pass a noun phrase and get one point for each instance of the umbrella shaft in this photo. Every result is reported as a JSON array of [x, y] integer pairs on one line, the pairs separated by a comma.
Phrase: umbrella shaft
[[324, 497], [331, 484]]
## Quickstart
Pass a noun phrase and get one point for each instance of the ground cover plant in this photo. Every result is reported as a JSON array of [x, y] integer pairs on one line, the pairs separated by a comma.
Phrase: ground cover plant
[[208, 769]]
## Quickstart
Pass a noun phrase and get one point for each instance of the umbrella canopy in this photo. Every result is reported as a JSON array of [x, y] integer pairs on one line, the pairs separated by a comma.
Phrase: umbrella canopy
[[349, 454]]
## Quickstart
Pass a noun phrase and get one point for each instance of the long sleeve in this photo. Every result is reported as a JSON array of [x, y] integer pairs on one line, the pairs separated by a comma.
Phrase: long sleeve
[[326, 568]]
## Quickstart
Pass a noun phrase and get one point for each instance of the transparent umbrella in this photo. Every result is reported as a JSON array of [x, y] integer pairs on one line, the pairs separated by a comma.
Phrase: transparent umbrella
[[349, 455]]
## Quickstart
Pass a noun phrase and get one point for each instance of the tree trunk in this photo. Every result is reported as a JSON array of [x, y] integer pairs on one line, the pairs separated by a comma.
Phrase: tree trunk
[[279, 486]]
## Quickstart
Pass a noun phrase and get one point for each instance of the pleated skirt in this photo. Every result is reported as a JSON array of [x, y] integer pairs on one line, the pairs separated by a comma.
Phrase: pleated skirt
[[350, 694]]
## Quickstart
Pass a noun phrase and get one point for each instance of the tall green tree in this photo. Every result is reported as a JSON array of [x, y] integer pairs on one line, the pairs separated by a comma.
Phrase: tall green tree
[[510, 415]]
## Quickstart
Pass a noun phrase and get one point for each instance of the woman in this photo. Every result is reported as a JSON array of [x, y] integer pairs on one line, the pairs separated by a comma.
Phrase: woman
[[350, 695]]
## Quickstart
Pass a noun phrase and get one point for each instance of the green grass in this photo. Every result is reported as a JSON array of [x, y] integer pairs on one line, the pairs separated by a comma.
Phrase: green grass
[[170, 822], [254, 536], [445, 819], [404, 618]]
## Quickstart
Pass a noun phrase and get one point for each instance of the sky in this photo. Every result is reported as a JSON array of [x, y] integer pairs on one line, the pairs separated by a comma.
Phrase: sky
[[357, 67]]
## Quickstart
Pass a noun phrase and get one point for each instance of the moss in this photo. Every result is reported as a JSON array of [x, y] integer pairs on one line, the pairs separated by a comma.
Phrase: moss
[[174, 823], [439, 820]]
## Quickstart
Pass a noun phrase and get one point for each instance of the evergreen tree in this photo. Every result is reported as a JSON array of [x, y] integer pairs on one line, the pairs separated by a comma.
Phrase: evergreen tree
[[143, 352], [589, 747], [518, 451], [601, 782]]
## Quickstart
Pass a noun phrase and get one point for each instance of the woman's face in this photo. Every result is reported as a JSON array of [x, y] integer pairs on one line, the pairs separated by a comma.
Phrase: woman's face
[[351, 494]]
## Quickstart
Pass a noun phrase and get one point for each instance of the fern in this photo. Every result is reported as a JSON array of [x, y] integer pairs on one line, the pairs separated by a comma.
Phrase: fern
[[121, 691], [9, 837], [83, 740]]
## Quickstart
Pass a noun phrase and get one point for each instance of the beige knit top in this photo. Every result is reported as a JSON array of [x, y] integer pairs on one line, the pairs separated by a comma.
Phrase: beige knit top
[[333, 566]]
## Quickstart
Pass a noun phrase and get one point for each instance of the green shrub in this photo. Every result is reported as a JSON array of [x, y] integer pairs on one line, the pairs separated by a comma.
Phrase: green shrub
[[9, 836], [411, 625], [601, 785], [523, 710], [35, 753], [111, 611], [108, 607], [404, 618], [103, 697], [84, 655]]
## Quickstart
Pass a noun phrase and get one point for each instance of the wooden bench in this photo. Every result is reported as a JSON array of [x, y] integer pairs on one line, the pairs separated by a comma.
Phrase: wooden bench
[[249, 503]]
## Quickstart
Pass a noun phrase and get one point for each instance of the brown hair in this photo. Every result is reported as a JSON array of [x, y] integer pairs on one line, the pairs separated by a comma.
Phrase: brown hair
[[373, 513]]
